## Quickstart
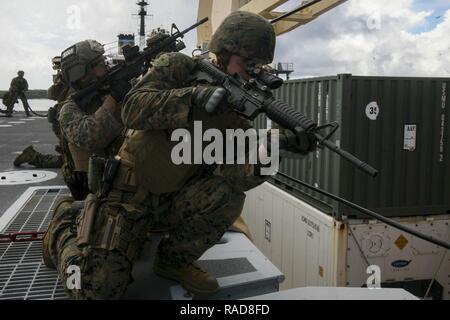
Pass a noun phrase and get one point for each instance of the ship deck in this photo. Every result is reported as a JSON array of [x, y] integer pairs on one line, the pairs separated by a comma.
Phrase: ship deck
[[15, 135], [241, 269]]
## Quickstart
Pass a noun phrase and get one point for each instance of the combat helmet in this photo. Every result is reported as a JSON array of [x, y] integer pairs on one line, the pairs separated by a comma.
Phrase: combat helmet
[[20, 73], [245, 34], [79, 60]]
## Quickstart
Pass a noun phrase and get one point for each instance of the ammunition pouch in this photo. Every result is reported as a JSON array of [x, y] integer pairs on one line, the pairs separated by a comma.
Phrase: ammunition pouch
[[78, 185], [85, 221], [52, 115], [112, 226], [95, 173], [125, 179]]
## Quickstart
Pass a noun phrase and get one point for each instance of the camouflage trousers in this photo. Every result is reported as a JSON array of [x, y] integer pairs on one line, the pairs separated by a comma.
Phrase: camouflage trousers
[[50, 161], [14, 95], [196, 217]]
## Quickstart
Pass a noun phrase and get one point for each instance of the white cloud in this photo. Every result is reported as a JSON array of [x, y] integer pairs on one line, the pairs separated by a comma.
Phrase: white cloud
[[345, 40], [368, 37], [34, 31]]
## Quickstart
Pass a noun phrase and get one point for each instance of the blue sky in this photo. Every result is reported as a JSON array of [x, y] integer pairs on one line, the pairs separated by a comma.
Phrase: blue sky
[[438, 8]]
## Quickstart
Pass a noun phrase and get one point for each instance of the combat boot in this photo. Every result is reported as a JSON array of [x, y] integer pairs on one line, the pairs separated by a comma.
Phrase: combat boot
[[26, 156], [192, 277]]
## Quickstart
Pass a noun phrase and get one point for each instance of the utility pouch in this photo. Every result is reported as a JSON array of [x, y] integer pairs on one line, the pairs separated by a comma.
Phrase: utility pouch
[[52, 115], [109, 174], [85, 221], [95, 173], [78, 185]]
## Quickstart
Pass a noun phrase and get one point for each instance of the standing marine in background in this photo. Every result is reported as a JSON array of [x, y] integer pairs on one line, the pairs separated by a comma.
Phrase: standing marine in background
[[18, 87], [59, 91]]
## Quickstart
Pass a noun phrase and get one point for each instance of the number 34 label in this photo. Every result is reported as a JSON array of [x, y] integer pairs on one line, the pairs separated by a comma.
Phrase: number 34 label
[[372, 110]]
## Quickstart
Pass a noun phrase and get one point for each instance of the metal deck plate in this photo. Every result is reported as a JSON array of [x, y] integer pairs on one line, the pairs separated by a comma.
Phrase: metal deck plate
[[22, 272]]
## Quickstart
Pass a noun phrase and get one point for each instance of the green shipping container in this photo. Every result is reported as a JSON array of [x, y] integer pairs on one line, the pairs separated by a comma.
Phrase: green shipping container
[[398, 125]]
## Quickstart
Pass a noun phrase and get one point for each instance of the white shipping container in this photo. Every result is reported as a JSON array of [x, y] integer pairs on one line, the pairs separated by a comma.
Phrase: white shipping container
[[313, 249]]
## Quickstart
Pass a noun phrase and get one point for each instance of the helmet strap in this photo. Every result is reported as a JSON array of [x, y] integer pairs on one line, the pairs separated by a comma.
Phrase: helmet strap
[[223, 58]]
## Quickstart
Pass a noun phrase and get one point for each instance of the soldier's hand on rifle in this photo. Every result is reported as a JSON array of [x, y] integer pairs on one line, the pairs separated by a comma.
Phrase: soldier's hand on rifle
[[306, 141], [292, 145], [209, 98], [119, 89]]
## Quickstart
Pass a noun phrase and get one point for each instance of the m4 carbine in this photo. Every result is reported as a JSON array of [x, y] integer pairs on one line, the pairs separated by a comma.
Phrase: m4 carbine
[[252, 97], [135, 61]]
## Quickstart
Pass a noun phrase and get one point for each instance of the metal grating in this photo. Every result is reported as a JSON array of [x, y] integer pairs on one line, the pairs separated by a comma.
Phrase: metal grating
[[23, 275]]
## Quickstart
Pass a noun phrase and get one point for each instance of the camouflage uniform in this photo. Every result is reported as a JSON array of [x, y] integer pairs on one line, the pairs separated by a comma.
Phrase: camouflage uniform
[[17, 88], [208, 198], [88, 129], [92, 129], [60, 92], [97, 131], [38, 160], [196, 204], [197, 212]]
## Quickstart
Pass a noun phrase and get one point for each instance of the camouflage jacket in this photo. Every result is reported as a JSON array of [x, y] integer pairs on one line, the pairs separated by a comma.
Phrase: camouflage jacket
[[160, 103], [162, 99], [92, 130], [19, 84]]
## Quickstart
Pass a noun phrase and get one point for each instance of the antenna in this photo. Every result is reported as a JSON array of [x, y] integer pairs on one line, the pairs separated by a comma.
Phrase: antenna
[[143, 14]]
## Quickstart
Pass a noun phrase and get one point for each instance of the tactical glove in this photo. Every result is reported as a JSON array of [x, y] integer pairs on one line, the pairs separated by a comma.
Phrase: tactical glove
[[119, 89], [209, 98], [296, 145]]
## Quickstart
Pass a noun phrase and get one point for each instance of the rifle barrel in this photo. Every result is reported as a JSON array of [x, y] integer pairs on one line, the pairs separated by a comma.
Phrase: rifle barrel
[[194, 26]]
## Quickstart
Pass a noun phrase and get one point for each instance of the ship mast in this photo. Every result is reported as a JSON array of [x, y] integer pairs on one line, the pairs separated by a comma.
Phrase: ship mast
[[143, 14]]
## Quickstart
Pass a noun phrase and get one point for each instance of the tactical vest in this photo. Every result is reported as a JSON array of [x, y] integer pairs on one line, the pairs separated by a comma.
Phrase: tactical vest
[[149, 153], [76, 159]]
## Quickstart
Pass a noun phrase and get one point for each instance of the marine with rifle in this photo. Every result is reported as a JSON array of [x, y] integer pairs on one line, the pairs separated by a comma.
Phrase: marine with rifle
[[142, 188], [91, 124]]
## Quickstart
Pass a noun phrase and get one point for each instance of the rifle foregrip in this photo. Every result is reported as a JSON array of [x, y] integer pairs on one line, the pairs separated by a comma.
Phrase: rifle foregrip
[[206, 66], [287, 116]]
